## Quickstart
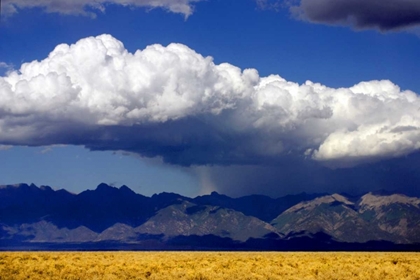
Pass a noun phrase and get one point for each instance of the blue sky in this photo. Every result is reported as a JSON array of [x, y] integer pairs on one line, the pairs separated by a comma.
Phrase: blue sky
[[243, 34]]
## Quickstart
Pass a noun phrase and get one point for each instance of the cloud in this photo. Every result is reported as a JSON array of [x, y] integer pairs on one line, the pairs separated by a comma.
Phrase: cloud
[[173, 103], [91, 7], [5, 66], [49, 149], [295, 176], [383, 15], [5, 147]]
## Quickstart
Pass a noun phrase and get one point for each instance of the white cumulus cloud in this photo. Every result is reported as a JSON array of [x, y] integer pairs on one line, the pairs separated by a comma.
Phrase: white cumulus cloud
[[174, 103]]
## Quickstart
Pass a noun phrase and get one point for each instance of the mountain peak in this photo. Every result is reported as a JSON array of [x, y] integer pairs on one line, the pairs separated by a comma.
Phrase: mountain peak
[[46, 188], [11, 186], [103, 186], [382, 192], [327, 199], [126, 189], [166, 194], [372, 201]]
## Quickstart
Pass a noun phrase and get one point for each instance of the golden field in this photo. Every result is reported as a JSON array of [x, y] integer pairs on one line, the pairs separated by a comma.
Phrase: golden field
[[208, 265]]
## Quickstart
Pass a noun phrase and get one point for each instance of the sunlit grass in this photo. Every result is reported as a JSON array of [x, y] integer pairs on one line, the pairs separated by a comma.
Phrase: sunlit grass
[[208, 265]]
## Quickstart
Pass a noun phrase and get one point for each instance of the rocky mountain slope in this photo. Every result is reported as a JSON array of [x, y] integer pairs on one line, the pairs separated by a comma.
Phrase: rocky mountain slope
[[396, 214], [372, 217], [191, 219], [41, 215]]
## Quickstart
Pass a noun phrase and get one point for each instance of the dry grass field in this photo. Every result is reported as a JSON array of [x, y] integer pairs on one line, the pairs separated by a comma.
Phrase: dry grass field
[[207, 265]]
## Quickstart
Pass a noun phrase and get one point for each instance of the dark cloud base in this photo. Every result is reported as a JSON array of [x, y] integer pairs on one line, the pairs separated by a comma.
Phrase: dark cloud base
[[231, 169], [397, 175], [384, 15], [185, 142]]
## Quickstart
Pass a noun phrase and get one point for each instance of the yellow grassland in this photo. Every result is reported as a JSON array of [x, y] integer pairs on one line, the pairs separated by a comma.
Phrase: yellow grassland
[[207, 265]]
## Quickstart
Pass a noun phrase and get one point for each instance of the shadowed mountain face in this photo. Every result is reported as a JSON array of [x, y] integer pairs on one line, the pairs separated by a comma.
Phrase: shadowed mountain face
[[373, 217], [191, 219], [32, 215], [263, 207]]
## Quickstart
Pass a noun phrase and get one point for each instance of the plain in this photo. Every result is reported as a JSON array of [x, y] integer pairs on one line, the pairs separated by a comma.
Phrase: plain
[[208, 265]]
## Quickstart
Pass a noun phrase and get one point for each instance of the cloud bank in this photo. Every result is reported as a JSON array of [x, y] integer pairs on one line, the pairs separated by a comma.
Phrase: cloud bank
[[173, 103], [384, 15], [91, 7]]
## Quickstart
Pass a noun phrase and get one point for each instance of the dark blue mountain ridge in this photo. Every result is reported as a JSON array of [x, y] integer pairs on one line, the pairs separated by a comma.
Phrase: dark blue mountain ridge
[[42, 215], [100, 208]]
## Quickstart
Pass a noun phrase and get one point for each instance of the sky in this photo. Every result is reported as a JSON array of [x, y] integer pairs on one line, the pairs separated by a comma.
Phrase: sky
[[190, 96]]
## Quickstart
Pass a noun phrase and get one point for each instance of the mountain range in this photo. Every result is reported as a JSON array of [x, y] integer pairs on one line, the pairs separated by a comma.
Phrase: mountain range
[[34, 217]]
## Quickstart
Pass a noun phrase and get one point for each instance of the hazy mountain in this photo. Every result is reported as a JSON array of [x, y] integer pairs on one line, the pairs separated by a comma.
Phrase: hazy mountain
[[95, 209], [397, 214], [191, 219], [331, 214], [394, 218], [42, 217], [263, 207]]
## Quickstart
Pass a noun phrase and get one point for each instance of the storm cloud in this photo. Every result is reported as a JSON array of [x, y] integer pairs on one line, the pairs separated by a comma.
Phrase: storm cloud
[[293, 175], [91, 7], [383, 15], [173, 103]]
